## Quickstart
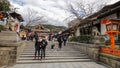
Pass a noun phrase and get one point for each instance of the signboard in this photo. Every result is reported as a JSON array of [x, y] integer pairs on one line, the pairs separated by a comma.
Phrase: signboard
[[22, 33]]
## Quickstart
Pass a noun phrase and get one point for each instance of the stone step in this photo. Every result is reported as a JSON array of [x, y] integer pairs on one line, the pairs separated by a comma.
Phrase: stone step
[[55, 55], [48, 51], [52, 58], [33, 44], [53, 61], [51, 50], [55, 52], [67, 50], [80, 54]]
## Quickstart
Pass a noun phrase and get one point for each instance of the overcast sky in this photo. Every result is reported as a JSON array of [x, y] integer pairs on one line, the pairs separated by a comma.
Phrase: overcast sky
[[50, 9]]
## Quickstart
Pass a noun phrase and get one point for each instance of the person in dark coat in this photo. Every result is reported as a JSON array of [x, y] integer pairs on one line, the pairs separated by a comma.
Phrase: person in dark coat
[[37, 48], [65, 37], [59, 39], [37, 44], [36, 36], [43, 47]]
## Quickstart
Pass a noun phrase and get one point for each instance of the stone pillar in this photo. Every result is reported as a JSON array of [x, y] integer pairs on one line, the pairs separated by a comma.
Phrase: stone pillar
[[10, 48]]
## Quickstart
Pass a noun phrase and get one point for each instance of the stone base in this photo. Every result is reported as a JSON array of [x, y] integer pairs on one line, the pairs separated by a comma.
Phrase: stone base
[[113, 61], [10, 48], [9, 52]]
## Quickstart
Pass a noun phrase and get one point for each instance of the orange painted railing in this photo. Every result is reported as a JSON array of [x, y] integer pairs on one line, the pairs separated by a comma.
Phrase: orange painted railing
[[110, 51]]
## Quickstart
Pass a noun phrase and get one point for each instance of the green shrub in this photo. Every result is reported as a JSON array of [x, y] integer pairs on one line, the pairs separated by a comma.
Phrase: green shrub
[[1, 28], [118, 37], [83, 39], [86, 38], [75, 39]]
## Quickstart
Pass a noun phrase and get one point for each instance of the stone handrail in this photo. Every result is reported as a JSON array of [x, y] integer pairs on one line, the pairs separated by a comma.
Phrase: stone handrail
[[91, 50]]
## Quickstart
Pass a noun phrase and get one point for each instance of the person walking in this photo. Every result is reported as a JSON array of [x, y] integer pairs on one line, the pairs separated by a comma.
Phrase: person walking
[[43, 47], [59, 39], [36, 36], [51, 42], [65, 37]]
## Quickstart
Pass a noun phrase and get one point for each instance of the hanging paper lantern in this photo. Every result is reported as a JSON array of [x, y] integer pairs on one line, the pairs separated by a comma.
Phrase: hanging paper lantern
[[1, 16], [16, 27]]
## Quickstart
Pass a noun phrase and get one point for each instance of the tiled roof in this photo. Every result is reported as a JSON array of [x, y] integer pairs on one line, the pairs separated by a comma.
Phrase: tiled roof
[[18, 16]]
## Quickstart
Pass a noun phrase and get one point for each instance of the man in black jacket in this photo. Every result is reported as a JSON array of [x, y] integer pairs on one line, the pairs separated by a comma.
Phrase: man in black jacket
[[60, 40]]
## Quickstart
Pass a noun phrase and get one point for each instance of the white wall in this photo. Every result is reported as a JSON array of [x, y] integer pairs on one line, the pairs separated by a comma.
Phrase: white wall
[[77, 32], [103, 29]]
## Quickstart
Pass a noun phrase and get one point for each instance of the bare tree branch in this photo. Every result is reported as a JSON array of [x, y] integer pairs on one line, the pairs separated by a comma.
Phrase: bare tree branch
[[33, 17], [84, 8]]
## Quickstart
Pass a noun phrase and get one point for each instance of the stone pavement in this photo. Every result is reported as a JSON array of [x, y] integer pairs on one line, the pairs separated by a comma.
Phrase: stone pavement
[[67, 57]]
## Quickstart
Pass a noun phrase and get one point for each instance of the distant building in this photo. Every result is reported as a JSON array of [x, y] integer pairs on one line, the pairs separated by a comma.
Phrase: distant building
[[40, 28]]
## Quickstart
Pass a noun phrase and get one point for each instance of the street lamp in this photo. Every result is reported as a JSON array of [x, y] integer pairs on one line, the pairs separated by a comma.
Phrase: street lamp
[[112, 27], [115, 26]]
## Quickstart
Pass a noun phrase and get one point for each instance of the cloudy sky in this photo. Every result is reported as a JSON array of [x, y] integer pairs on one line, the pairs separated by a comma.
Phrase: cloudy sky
[[52, 10]]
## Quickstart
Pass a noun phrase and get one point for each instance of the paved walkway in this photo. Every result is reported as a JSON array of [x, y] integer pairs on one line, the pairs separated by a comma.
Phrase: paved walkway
[[67, 57]]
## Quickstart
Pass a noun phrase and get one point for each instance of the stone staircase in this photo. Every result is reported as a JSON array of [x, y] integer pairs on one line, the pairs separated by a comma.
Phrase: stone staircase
[[67, 57], [66, 54]]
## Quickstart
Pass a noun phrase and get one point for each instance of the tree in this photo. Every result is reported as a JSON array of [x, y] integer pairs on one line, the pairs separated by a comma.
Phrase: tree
[[32, 17], [84, 9], [4, 5]]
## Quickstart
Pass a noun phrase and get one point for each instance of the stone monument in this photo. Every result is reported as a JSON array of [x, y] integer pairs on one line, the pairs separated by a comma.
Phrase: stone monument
[[10, 44]]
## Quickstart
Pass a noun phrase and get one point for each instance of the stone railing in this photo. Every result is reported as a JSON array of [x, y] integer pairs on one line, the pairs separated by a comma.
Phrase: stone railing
[[113, 61], [93, 52], [89, 49], [9, 52]]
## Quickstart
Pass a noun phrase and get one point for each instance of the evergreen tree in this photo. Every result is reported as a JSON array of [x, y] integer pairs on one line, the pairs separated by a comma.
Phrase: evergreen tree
[[4, 6]]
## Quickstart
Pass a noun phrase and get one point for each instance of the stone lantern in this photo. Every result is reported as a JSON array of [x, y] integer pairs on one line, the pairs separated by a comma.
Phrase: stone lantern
[[112, 27]]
